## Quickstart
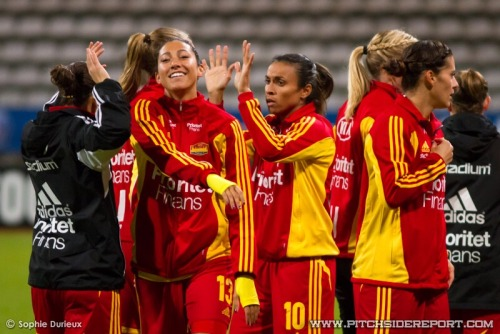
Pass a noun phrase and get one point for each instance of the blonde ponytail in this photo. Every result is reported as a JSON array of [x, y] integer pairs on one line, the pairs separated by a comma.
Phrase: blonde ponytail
[[383, 47], [358, 81]]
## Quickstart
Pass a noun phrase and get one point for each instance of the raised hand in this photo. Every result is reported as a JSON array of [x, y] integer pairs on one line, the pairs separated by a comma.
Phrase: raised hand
[[96, 69], [242, 77], [98, 48], [217, 74]]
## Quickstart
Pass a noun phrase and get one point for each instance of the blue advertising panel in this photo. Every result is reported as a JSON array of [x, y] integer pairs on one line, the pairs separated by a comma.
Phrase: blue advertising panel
[[11, 126]]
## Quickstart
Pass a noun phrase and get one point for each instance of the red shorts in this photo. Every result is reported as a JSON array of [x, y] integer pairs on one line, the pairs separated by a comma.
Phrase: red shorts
[[75, 311], [291, 294], [376, 304], [475, 321], [128, 297], [201, 303]]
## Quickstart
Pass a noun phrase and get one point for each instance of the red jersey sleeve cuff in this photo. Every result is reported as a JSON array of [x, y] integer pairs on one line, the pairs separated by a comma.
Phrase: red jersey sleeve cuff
[[245, 96]]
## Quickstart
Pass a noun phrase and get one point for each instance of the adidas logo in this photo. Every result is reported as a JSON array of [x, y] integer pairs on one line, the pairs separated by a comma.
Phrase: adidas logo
[[49, 206], [425, 147], [461, 209]]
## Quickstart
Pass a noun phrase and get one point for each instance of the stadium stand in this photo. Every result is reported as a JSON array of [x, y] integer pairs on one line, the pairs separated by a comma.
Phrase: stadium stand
[[35, 35]]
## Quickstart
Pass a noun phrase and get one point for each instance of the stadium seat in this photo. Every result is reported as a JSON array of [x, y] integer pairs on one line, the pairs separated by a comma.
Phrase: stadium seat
[[492, 76], [30, 26], [90, 27], [260, 7], [487, 54], [463, 53], [480, 28], [60, 27], [439, 6], [7, 26], [13, 52], [16, 6], [421, 27], [450, 28], [492, 7], [43, 52]]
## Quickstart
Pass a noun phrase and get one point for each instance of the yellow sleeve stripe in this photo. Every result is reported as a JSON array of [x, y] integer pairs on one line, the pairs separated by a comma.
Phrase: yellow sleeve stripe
[[246, 219], [259, 120], [298, 129], [141, 112], [158, 137], [397, 150], [365, 126], [428, 175], [278, 141], [397, 153]]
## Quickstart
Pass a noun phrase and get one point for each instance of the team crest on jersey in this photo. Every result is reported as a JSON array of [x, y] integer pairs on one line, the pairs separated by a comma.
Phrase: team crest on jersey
[[425, 147], [199, 149]]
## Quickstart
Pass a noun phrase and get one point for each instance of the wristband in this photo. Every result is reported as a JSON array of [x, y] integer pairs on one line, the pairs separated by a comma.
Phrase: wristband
[[218, 183], [245, 289]]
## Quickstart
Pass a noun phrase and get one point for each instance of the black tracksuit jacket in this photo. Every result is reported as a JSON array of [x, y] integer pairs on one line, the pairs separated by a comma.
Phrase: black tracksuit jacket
[[472, 211], [67, 154]]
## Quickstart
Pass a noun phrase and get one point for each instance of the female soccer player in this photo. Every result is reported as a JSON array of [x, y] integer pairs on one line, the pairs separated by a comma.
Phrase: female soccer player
[[140, 59], [77, 265], [188, 243], [292, 153], [400, 268], [370, 90]]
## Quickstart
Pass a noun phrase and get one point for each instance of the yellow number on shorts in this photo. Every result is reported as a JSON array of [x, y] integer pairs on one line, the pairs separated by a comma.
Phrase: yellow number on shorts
[[295, 315], [223, 281]]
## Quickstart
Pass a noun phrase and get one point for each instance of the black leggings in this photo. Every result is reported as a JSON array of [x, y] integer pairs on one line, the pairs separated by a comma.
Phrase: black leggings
[[343, 292]]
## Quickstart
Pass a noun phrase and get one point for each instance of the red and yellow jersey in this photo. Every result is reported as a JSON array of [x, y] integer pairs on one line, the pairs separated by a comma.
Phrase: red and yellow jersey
[[122, 164], [350, 135], [180, 223], [292, 161], [402, 237]]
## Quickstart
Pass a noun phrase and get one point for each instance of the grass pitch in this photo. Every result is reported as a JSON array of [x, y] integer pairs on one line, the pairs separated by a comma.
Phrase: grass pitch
[[15, 295]]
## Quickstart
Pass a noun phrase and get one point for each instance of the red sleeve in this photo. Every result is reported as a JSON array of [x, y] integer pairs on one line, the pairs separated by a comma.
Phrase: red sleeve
[[305, 139], [241, 223], [406, 170], [150, 135]]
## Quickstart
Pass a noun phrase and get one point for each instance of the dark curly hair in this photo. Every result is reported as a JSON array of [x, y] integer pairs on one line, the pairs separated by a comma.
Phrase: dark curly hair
[[73, 82], [417, 58]]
